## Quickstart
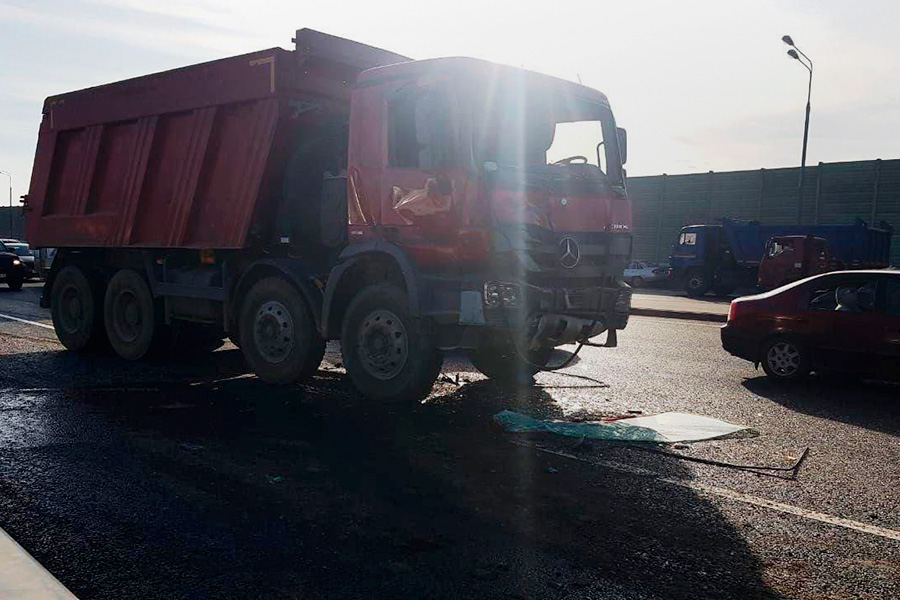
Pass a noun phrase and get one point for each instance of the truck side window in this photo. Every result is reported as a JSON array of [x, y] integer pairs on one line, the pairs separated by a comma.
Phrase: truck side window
[[420, 130], [688, 239]]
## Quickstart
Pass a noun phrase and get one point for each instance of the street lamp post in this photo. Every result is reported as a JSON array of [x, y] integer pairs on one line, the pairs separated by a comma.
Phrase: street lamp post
[[796, 53], [10, 201]]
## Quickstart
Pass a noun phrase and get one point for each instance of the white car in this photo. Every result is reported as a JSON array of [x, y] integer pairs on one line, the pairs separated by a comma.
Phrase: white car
[[640, 273]]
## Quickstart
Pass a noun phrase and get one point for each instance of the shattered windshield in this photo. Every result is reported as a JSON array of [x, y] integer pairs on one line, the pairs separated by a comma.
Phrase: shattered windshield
[[532, 128]]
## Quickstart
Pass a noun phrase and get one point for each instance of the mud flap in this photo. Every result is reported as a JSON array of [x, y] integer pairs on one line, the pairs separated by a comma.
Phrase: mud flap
[[612, 340]]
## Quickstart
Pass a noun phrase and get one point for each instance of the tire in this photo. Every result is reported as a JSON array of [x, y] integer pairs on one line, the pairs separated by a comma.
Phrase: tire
[[129, 315], [15, 283], [696, 284], [505, 365], [277, 333], [384, 354], [637, 282], [76, 310], [785, 359]]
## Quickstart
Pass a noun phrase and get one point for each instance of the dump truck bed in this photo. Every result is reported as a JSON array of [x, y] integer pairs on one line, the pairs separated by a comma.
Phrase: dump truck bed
[[857, 244], [184, 158]]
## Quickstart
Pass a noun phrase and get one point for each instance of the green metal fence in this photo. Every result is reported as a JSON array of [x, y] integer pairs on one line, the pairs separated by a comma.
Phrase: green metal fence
[[18, 225], [835, 193]]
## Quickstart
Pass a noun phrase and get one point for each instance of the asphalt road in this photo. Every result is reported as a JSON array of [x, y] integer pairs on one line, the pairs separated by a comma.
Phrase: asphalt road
[[188, 478]]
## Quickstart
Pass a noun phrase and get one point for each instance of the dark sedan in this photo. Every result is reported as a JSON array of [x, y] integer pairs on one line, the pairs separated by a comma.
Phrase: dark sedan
[[844, 321], [25, 255], [12, 271]]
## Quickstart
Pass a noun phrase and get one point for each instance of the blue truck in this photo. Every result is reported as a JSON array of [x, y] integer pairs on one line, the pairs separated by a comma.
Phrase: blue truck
[[724, 257]]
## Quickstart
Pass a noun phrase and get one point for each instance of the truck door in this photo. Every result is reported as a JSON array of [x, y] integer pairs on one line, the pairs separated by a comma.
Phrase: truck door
[[423, 185]]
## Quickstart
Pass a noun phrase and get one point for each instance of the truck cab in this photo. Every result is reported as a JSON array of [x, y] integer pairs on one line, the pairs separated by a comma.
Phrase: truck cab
[[702, 259], [467, 169], [791, 257], [498, 196]]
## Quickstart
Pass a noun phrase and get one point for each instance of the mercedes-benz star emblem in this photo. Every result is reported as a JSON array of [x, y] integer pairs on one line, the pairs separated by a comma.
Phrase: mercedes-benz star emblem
[[570, 253]]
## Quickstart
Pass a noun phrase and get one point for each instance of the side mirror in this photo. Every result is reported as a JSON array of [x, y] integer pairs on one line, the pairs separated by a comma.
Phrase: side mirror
[[622, 138]]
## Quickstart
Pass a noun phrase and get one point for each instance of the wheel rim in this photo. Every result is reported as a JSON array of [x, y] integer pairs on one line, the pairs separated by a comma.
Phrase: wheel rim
[[383, 344], [783, 359], [128, 318], [695, 283], [71, 310], [273, 331]]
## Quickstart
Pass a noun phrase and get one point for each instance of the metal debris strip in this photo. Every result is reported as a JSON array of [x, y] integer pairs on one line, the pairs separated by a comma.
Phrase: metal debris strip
[[791, 469]]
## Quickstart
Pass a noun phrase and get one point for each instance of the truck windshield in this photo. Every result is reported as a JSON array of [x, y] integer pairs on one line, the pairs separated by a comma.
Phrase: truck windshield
[[535, 129]]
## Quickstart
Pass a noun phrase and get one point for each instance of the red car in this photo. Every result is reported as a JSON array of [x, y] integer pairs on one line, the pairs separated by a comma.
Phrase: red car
[[845, 321]]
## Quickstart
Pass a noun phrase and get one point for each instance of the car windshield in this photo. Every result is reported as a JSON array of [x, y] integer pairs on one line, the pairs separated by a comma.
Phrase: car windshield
[[532, 129], [20, 249]]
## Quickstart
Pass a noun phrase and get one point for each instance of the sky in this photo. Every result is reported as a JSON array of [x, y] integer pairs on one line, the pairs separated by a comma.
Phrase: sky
[[699, 85]]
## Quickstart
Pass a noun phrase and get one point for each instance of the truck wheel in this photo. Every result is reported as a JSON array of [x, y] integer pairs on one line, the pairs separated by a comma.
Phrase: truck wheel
[[383, 353], [784, 359], [129, 315], [696, 284], [15, 282], [75, 310], [277, 333], [505, 365]]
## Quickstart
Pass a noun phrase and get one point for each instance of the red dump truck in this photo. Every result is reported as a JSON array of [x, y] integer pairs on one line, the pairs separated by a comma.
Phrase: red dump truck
[[335, 192]]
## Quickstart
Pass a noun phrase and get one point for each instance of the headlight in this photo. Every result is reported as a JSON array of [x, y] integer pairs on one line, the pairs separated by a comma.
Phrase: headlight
[[497, 293], [509, 294], [492, 294], [16, 261]]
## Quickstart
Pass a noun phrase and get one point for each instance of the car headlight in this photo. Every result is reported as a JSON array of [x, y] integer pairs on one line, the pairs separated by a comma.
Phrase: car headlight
[[16, 261]]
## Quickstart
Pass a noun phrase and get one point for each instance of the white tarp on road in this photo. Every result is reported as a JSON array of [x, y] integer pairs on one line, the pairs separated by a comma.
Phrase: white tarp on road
[[664, 428]]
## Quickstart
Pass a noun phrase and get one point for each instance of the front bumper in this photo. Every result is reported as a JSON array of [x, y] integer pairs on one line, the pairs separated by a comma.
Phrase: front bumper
[[546, 316], [12, 272], [609, 305]]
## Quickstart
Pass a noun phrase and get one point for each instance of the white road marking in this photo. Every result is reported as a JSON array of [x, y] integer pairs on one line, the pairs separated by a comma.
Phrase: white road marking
[[891, 534], [35, 323], [22, 577]]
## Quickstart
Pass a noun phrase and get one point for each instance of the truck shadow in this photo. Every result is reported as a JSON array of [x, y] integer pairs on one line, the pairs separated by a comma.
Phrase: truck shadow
[[867, 404], [63, 369], [242, 489]]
